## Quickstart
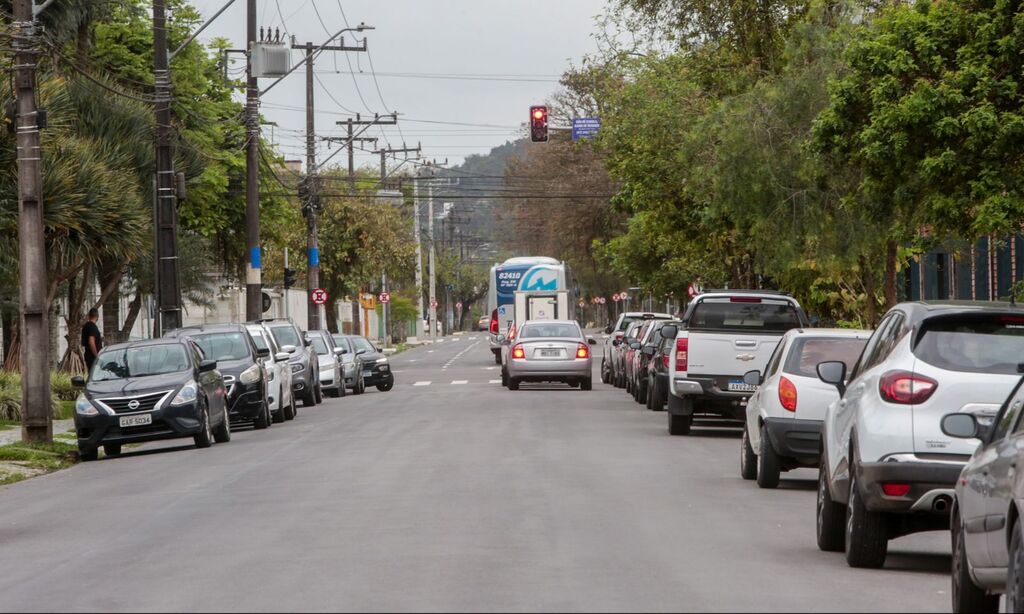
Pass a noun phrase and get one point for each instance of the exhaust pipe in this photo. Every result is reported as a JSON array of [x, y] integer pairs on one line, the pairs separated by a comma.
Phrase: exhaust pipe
[[942, 504], [937, 501]]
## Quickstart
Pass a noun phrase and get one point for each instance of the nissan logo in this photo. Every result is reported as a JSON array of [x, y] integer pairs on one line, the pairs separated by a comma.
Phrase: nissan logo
[[133, 404]]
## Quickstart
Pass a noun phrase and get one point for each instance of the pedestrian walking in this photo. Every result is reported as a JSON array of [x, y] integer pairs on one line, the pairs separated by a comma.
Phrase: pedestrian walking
[[92, 341]]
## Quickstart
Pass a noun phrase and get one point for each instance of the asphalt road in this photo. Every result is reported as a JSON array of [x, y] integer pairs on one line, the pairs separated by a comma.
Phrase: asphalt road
[[453, 495]]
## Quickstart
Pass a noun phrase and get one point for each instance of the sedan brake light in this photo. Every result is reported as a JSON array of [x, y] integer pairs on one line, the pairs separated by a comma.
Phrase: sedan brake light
[[682, 345], [518, 352], [906, 388], [787, 394], [582, 351]]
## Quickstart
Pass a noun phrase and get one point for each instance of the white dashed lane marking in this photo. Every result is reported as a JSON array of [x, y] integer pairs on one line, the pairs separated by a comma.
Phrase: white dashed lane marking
[[494, 381], [421, 384], [459, 382]]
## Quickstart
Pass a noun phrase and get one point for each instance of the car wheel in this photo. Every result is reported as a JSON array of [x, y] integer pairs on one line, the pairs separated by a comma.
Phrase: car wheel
[[1015, 571], [290, 411], [88, 454], [319, 394], [112, 449], [679, 425], [629, 385], [497, 358], [504, 377], [333, 393], [385, 386], [223, 432], [643, 392], [360, 386], [513, 383], [342, 389], [967, 596], [605, 376], [262, 420], [650, 394], [830, 527], [281, 414], [587, 383], [867, 541], [748, 460], [204, 438], [309, 398], [768, 463]]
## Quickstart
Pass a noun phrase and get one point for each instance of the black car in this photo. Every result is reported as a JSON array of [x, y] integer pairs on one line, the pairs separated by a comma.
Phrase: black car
[[149, 390], [375, 368], [641, 375], [238, 360], [657, 371]]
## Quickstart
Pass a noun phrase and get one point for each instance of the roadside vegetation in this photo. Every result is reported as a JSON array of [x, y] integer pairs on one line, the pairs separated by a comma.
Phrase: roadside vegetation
[[19, 461]]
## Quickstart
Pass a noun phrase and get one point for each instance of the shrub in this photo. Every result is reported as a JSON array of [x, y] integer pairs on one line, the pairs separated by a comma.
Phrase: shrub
[[60, 386], [10, 396]]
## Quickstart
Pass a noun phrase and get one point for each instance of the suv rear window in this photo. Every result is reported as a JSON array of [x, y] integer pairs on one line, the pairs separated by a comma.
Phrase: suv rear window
[[973, 344], [764, 315], [807, 353]]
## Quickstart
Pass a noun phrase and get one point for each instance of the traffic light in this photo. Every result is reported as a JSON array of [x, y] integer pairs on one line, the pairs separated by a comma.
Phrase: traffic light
[[539, 124], [289, 278]]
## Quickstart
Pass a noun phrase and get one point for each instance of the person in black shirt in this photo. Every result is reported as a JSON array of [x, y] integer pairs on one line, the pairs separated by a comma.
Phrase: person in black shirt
[[92, 342]]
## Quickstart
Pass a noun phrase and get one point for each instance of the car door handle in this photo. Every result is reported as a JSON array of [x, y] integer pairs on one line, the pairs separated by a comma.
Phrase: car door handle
[[746, 344]]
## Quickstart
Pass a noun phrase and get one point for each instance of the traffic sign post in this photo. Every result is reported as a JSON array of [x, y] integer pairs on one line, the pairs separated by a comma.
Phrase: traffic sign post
[[585, 127], [318, 296], [384, 297]]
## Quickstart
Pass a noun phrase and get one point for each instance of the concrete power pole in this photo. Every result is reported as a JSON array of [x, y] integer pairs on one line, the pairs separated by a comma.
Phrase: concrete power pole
[[168, 293], [254, 270], [350, 124], [35, 333], [389, 151], [419, 253]]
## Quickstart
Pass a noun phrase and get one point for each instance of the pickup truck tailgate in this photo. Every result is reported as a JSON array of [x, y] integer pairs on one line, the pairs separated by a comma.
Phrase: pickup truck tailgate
[[729, 355]]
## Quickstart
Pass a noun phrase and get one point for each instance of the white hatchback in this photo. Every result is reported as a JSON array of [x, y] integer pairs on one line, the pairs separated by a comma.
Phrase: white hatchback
[[784, 415]]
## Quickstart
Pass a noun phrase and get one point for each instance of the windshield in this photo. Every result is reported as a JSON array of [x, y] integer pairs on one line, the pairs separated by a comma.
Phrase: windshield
[[319, 346], [807, 354], [285, 335], [533, 331], [987, 344], [361, 343], [223, 346], [139, 362], [768, 316]]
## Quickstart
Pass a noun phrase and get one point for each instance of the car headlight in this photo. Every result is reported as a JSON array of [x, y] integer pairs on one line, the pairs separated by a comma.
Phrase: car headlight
[[297, 366], [381, 360], [84, 406], [187, 394], [250, 375]]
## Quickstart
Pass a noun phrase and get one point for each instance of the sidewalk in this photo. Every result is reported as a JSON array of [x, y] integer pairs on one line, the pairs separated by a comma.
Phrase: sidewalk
[[60, 427]]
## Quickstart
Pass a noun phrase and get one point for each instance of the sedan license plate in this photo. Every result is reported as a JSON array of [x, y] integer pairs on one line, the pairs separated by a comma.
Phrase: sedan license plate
[[367, 373], [139, 420], [741, 386], [550, 353]]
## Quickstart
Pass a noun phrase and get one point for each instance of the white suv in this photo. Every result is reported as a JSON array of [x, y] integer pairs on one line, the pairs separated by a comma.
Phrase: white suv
[[887, 468]]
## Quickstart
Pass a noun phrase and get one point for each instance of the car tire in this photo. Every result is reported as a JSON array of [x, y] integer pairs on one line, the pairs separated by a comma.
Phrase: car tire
[[385, 386], [830, 518], [497, 358], [504, 377], [342, 389], [513, 383], [281, 414], [293, 409], [650, 395], [643, 392], [204, 438], [318, 393], [605, 376], [360, 386], [679, 425], [223, 432], [88, 454], [308, 399], [748, 460], [1015, 571], [112, 449], [768, 463], [334, 393], [262, 420], [587, 383], [967, 596], [867, 540]]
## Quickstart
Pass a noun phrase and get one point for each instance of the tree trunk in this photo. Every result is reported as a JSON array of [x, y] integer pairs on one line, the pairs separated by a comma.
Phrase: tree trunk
[[134, 308], [8, 323], [83, 42], [891, 253], [867, 277], [332, 316], [356, 330], [110, 273]]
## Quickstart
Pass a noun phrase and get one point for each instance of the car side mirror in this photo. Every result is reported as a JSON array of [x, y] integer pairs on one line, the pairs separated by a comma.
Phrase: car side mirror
[[78, 381], [338, 351], [752, 378], [961, 426], [207, 365], [358, 352], [608, 329], [344, 351], [648, 350], [833, 372], [500, 338], [669, 331], [307, 342], [289, 349], [263, 352], [616, 342], [591, 341], [634, 345], [282, 356]]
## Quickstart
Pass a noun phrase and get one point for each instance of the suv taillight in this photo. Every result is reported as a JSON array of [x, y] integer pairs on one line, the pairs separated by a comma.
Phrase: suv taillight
[[518, 352], [905, 388], [787, 394], [681, 358], [664, 360], [494, 322]]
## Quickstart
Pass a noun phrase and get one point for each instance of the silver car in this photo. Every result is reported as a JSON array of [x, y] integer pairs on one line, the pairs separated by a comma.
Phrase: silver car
[[549, 351]]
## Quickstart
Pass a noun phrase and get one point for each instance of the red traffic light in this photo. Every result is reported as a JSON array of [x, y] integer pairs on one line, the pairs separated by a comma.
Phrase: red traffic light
[[538, 124], [538, 114]]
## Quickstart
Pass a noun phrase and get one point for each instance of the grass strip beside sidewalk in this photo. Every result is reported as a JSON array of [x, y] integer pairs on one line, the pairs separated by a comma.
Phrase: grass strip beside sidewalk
[[19, 461]]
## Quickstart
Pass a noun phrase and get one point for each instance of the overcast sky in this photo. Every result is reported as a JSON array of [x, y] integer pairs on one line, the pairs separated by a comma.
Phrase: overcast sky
[[470, 61]]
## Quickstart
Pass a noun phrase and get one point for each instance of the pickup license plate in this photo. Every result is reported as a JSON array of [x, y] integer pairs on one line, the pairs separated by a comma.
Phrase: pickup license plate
[[139, 420], [741, 386], [550, 353]]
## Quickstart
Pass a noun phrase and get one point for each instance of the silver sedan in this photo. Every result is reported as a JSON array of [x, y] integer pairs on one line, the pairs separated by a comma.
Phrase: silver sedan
[[549, 351]]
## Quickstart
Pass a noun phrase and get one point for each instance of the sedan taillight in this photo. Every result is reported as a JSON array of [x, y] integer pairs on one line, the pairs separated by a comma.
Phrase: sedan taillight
[[664, 360], [787, 394], [518, 352], [682, 345], [905, 388], [582, 351]]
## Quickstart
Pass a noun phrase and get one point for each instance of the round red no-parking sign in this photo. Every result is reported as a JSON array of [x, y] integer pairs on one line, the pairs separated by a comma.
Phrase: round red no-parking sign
[[319, 296]]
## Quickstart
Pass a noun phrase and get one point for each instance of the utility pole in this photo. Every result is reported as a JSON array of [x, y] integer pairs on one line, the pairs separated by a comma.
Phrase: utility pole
[[349, 144], [311, 206], [388, 151], [350, 124], [254, 269], [419, 253], [168, 293], [432, 318], [36, 426]]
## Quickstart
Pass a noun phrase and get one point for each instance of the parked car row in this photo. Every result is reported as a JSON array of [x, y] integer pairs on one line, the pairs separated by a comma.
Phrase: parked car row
[[200, 380], [915, 426]]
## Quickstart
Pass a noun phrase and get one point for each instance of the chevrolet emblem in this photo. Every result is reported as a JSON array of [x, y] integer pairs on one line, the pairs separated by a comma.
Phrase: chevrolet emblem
[[745, 357]]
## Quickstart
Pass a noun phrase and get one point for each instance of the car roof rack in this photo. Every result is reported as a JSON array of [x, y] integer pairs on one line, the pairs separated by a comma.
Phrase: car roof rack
[[744, 291]]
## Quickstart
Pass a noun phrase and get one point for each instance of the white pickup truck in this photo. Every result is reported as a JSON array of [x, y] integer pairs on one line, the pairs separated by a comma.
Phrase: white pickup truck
[[723, 335]]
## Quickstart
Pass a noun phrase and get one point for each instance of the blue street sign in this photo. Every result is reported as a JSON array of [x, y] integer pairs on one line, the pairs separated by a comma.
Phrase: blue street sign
[[585, 127]]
